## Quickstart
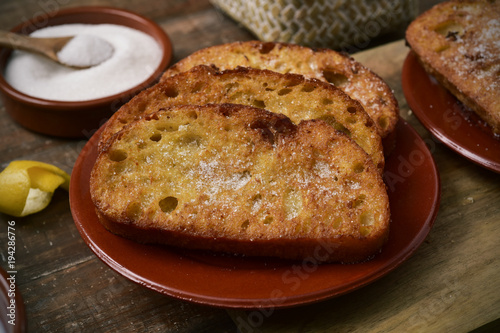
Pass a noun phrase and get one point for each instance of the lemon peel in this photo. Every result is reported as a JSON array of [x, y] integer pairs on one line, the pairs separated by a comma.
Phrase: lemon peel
[[26, 187]]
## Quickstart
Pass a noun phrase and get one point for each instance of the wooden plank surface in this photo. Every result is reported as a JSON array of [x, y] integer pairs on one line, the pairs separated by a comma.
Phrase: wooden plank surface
[[448, 285]]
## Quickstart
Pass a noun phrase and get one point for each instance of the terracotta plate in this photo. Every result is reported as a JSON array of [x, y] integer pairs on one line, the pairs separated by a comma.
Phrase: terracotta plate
[[447, 119], [239, 282]]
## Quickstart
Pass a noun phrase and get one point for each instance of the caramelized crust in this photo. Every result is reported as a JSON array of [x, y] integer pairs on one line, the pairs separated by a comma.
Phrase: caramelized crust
[[289, 94], [240, 179], [323, 64], [458, 43]]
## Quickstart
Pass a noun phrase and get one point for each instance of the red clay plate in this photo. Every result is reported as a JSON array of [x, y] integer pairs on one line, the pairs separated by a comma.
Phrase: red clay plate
[[447, 119], [242, 282]]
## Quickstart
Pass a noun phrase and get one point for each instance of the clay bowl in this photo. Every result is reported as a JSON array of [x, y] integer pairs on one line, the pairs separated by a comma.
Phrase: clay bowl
[[81, 118]]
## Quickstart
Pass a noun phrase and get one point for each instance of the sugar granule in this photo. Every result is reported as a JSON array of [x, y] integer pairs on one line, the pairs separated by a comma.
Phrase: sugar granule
[[85, 51]]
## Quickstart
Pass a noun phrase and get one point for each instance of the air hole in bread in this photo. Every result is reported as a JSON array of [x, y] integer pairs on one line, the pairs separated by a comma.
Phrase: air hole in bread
[[117, 155], [351, 109], [245, 224], [383, 122], [364, 231], [358, 168], [119, 168], [284, 91], [326, 101], [342, 128], [133, 211], [336, 222], [259, 103], [268, 220], [308, 88], [292, 203], [330, 120], [359, 201], [190, 140], [168, 204], [193, 115], [153, 116], [231, 86], [366, 219], [335, 78], [167, 127], [197, 87], [155, 137], [450, 30], [442, 48], [170, 92], [256, 203], [265, 85]]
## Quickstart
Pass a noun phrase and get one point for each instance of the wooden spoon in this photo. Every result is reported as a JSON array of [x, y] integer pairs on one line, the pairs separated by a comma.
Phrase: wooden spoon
[[48, 47]]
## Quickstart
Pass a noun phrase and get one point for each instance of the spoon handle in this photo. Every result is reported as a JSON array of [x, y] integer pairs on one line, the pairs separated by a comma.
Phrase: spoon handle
[[14, 41], [45, 46]]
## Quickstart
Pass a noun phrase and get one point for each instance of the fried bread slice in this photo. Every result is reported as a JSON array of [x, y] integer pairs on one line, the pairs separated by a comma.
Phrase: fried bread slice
[[327, 65], [458, 43], [288, 94], [240, 179]]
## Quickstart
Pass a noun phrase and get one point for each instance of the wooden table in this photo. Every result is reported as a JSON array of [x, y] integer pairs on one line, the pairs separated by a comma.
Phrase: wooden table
[[449, 285]]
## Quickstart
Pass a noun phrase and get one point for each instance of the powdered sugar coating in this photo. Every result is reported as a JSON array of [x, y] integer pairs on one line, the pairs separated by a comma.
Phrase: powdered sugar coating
[[478, 53], [457, 42]]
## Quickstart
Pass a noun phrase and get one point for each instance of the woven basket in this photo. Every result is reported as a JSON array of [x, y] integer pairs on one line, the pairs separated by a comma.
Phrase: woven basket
[[336, 24]]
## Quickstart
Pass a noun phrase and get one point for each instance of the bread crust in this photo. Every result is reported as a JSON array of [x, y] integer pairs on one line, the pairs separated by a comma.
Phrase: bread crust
[[327, 65], [255, 184], [289, 94], [457, 43]]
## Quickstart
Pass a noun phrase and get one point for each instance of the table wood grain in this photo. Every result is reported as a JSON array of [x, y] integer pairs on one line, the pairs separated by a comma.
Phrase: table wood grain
[[449, 285]]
